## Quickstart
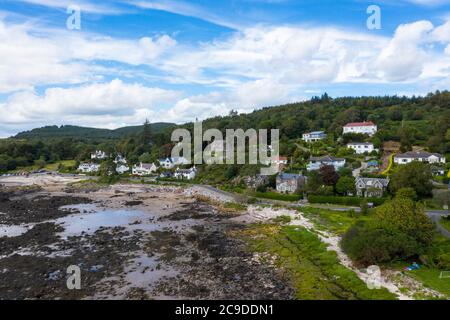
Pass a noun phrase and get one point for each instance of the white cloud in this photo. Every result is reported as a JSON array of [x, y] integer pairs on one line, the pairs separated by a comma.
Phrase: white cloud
[[185, 9], [98, 104], [30, 56], [85, 6], [404, 58]]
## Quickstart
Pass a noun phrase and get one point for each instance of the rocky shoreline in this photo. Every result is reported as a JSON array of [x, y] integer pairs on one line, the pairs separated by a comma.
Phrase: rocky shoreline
[[134, 242]]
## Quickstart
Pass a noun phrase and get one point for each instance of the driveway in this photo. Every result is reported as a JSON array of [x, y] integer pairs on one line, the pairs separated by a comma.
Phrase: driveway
[[436, 216]]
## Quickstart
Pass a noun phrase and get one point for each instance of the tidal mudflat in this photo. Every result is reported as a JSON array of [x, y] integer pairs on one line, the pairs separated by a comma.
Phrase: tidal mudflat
[[130, 242]]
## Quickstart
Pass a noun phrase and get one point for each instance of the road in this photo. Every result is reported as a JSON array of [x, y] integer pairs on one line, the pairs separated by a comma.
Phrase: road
[[436, 216]]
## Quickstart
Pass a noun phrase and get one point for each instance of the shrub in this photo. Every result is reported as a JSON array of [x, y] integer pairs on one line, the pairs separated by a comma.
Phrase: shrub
[[278, 196], [408, 193], [369, 246]]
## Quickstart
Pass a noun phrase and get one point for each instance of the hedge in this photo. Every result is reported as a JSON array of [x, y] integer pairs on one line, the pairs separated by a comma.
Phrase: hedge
[[346, 201], [277, 196]]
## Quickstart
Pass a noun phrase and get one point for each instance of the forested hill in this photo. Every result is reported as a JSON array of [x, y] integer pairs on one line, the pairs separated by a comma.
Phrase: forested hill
[[411, 120], [69, 131]]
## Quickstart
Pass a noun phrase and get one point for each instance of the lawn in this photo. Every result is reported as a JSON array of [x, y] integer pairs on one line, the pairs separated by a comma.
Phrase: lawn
[[431, 278], [49, 166], [314, 271], [445, 222], [333, 221]]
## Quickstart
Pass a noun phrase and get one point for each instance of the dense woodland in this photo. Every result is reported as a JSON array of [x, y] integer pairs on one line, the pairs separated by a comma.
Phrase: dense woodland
[[422, 121]]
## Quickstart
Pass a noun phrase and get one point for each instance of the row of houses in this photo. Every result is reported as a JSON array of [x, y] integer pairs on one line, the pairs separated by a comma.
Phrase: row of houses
[[365, 187]]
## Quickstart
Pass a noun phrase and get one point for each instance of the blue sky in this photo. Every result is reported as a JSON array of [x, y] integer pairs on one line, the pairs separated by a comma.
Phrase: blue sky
[[178, 60]]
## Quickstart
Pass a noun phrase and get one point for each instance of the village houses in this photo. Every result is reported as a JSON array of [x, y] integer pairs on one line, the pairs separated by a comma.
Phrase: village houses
[[316, 162], [361, 127]]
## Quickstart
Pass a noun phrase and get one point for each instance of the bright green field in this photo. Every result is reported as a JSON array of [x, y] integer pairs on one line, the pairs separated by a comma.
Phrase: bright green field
[[50, 166], [315, 272]]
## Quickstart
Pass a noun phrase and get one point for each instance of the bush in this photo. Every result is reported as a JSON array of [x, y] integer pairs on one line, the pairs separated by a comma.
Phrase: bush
[[368, 246], [345, 201], [278, 196], [408, 193]]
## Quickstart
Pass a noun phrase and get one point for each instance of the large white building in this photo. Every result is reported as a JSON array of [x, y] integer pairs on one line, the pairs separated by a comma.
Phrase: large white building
[[421, 156], [88, 167], [185, 174], [98, 154], [361, 147], [170, 163], [144, 169], [122, 168], [315, 163], [314, 136], [361, 127]]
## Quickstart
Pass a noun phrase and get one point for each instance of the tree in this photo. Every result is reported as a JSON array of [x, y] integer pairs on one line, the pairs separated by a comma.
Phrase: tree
[[406, 216], [407, 193], [107, 168], [146, 134], [346, 185], [415, 175], [399, 229], [329, 175], [314, 182], [145, 157]]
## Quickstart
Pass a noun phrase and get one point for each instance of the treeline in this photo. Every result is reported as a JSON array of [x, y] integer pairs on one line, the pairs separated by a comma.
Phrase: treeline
[[412, 121]]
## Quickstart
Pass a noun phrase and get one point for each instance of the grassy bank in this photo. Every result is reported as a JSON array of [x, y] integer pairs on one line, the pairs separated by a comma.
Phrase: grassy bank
[[314, 271]]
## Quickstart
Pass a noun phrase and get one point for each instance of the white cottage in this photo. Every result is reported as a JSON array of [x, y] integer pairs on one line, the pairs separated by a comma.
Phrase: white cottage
[[122, 168], [369, 128], [316, 162], [170, 163], [421, 156], [144, 169], [361, 147], [88, 167], [185, 174], [98, 154]]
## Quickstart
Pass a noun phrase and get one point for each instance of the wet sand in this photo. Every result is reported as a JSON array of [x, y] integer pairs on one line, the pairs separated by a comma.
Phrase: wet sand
[[130, 242]]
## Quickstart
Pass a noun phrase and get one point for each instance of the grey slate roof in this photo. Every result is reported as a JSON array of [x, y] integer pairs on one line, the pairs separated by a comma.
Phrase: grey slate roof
[[418, 154]]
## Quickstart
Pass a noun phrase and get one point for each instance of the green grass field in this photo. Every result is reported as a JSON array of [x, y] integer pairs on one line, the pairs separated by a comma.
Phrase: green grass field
[[445, 222], [314, 271], [49, 166]]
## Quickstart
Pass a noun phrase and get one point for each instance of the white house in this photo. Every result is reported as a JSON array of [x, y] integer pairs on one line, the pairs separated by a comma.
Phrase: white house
[[361, 127], [144, 169], [170, 163], [316, 162], [185, 174], [88, 167], [314, 136], [421, 156], [98, 154], [122, 168], [120, 159], [361, 147]]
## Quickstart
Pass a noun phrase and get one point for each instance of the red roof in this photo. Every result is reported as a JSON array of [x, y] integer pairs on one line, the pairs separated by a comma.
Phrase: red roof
[[360, 124]]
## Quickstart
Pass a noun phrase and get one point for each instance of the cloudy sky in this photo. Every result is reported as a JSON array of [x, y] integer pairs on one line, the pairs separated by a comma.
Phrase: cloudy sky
[[177, 60]]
